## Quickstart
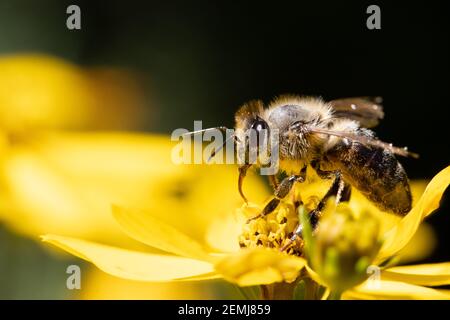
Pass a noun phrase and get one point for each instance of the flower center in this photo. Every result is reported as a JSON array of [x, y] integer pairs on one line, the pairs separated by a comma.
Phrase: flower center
[[272, 231]]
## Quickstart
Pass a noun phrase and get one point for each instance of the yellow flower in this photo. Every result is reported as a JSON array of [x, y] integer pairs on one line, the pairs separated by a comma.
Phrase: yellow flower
[[45, 173], [39, 92], [216, 253], [199, 249], [66, 182], [383, 280], [56, 180], [189, 259]]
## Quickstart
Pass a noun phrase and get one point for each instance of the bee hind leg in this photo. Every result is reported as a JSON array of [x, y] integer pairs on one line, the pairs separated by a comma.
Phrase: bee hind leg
[[282, 190], [339, 188]]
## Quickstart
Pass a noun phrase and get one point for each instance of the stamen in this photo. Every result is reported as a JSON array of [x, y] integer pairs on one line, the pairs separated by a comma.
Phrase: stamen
[[273, 230]]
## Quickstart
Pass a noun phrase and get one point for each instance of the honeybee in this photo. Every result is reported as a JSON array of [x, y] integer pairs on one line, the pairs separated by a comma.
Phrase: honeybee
[[333, 138]]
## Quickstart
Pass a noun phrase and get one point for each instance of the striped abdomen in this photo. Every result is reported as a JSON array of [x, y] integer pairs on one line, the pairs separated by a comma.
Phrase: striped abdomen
[[375, 172]]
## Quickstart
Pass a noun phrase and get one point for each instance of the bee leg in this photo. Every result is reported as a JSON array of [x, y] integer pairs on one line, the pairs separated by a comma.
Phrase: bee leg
[[324, 174], [281, 192], [346, 192], [274, 181], [340, 189], [343, 189]]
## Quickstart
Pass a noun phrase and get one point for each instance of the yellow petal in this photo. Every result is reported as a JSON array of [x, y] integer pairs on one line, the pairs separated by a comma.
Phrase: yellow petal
[[132, 265], [206, 276], [436, 274], [39, 91], [33, 89], [155, 233], [223, 233], [434, 191], [314, 276], [393, 290], [101, 286], [421, 245], [250, 267], [402, 233], [65, 183]]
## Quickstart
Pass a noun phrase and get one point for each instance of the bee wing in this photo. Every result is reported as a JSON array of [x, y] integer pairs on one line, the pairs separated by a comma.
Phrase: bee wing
[[367, 141], [368, 111]]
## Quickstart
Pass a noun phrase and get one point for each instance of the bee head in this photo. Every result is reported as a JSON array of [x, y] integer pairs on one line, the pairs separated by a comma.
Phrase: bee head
[[249, 115], [252, 138]]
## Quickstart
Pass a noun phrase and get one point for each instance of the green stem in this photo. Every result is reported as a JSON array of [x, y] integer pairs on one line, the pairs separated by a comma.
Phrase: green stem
[[248, 293], [335, 295], [311, 289], [278, 291]]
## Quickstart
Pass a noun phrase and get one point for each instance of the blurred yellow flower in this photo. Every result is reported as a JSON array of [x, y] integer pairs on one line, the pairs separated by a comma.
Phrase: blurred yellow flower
[[69, 180], [216, 253], [42, 177], [54, 179], [42, 92], [66, 182]]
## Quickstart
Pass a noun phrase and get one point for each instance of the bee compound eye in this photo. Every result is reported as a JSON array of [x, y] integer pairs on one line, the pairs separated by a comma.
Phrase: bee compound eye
[[260, 125], [261, 129]]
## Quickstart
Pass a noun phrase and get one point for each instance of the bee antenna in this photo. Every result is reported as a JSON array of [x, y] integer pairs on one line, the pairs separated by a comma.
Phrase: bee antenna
[[221, 128], [233, 136], [366, 140]]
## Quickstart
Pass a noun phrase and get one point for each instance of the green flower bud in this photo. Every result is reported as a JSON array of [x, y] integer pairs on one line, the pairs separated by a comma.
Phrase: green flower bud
[[344, 247]]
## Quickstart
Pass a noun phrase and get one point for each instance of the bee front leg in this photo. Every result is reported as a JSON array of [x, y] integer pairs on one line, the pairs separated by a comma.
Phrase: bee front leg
[[274, 181], [281, 192]]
